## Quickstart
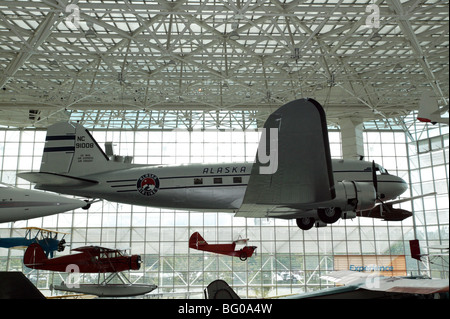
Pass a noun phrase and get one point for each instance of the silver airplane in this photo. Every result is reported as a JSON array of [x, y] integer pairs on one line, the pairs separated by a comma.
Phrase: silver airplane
[[293, 176], [19, 204]]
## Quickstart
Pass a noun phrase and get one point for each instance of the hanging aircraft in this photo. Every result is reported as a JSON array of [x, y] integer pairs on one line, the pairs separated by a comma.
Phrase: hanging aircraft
[[429, 111], [196, 241], [47, 239], [19, 204], [90, 259], [297, 180]]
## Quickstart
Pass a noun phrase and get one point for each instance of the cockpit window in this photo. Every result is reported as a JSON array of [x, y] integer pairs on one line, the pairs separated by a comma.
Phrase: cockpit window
[[382, 170]]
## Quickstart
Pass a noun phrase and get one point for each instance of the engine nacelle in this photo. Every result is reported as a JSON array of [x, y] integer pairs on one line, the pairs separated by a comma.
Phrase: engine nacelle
[[355, 196]]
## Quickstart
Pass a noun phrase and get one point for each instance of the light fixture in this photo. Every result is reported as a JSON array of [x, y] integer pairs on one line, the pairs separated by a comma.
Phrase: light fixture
[[53, 64], [234, 35], [375, 37], [90, 34]]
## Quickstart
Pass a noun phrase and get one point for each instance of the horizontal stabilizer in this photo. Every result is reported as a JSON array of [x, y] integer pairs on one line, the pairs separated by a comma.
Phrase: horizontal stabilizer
[[55, 179]]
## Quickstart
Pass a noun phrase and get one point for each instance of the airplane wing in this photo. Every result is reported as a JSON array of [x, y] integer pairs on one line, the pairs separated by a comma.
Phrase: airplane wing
[[94, 249], [402, 200], [42, 178], [45, 230], [299, 170]]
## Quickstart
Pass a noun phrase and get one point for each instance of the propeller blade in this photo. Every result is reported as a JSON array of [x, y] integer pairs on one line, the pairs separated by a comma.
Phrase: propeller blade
[[374, 178]]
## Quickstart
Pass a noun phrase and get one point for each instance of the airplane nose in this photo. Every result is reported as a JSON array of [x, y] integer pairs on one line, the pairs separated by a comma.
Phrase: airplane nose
[[403, 186]]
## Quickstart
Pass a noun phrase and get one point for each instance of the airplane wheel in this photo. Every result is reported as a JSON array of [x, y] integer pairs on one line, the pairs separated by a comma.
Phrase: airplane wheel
[[243, 256], [87, 206], [305, 223], [329, 215]]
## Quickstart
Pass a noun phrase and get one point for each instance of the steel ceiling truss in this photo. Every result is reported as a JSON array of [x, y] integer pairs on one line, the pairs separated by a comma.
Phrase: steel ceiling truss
[[222, 55]]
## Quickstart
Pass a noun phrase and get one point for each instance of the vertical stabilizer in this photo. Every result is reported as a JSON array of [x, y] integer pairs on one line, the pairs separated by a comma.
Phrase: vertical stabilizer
[[415, 249], [34, 256], [71, 150], [196, 240], [428, 109]]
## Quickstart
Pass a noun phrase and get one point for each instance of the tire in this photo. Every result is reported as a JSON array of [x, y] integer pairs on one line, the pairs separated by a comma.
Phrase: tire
[[305, 223], [243, 256], [329, 215]]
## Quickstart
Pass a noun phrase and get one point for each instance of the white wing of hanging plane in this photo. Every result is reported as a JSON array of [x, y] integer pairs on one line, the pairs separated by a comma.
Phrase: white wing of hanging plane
[[374, 283]]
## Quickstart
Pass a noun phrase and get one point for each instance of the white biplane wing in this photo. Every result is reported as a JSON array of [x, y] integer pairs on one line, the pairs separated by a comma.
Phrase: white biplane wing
[[294, 167]]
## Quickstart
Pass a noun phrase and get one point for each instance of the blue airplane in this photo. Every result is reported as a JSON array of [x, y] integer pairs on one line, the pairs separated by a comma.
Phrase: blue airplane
[[47, 239]]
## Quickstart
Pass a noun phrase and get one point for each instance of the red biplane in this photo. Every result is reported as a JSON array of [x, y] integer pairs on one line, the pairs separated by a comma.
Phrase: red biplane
[[197, 242]]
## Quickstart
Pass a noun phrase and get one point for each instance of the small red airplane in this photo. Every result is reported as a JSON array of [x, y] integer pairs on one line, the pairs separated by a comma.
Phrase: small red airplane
[[92, 259], [197, 242]]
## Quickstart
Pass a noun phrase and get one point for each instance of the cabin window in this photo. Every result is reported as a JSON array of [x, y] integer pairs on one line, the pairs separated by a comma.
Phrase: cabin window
[[237, 180], [217, 180], [198, 181]]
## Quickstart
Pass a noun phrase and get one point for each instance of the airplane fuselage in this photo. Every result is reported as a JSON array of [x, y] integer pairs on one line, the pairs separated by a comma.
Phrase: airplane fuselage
[[204, 187], [19, 204]]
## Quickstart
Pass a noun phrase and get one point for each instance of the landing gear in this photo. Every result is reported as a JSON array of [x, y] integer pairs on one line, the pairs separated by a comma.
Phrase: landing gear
[[243, 256], [305, 223], [87, 206], [329, 215]]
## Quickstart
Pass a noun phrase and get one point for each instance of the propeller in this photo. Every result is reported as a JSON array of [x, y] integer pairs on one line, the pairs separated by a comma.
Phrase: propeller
[[374, 178], [62, 245]]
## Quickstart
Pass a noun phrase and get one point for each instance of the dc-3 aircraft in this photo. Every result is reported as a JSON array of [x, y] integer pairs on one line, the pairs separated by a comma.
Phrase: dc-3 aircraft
[[47, 239], [196, 241], [293, 176], [19, 204]]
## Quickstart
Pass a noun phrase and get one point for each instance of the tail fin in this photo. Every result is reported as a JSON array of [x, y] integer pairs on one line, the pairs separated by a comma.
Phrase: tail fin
[[196, 240], [415, 249], [34, 256], [71, 149], [428, 108]]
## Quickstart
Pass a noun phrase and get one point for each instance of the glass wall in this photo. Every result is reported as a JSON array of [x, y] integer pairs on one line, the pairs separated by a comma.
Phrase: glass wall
[[288, 260]]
